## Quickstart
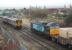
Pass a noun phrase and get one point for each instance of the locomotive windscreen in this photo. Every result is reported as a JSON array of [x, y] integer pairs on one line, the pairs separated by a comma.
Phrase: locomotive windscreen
[[54, 25]]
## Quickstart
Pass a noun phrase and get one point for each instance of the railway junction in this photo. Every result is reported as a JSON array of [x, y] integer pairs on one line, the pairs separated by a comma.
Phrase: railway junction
[[24, 39]]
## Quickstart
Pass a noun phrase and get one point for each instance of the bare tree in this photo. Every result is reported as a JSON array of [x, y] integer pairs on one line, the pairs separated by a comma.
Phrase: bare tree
[[68, 19]]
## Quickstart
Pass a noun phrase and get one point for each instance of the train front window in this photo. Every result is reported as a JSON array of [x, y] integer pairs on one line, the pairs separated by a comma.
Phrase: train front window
[[54, 25]]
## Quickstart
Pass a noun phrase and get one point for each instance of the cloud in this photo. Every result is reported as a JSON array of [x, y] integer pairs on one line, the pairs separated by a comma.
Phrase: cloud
[[27, 3]]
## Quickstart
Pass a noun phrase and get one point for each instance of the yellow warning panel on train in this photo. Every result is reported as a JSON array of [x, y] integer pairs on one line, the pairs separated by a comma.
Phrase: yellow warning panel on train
[[54, 32]]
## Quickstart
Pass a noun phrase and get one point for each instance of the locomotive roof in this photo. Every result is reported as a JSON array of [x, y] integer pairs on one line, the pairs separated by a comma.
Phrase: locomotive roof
[[10, 18], [52, 24]]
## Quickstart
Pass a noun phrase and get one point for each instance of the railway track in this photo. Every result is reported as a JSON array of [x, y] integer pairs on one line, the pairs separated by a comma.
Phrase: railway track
[[28, 36], [10, 38], [47, 42]]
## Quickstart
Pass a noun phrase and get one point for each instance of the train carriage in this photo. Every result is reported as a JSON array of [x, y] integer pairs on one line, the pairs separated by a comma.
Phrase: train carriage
[[65, 37], [17, 23]]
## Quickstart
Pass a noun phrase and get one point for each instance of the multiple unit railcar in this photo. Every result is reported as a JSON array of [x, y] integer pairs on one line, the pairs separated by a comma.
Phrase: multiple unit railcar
[[17, 23]]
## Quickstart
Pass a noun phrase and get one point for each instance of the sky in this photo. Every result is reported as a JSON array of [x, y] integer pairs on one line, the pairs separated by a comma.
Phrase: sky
[[34, 3]]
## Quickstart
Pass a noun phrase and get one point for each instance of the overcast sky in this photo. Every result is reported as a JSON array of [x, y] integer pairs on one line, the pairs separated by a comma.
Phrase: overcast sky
[[28, 3]]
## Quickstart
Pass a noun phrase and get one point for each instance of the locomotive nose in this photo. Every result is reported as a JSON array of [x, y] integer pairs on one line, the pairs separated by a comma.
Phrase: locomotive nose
[[54, 32], [19, 24]]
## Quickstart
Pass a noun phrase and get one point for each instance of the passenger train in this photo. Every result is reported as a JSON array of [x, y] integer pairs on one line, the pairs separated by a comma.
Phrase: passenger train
[[15, 22]]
